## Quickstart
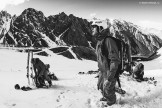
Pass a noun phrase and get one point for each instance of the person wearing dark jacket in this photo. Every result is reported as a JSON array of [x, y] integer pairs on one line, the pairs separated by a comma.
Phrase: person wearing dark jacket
[[41, 72], [138, 72], [109, 63]]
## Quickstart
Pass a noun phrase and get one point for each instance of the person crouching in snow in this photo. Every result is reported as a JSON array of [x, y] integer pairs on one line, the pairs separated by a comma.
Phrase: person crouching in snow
[[41, 72], [138, 72]]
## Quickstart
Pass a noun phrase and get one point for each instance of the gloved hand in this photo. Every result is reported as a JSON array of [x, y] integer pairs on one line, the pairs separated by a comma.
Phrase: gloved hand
[[106, 83]]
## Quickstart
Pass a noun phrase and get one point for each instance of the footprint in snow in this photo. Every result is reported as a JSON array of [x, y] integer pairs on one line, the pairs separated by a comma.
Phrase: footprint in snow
[[61, 96]]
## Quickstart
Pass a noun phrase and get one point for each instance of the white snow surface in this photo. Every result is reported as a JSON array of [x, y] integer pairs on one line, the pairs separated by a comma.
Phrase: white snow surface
[[73, 90]]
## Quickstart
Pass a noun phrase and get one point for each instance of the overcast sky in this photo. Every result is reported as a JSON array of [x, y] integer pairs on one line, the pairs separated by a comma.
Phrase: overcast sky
[[140, 12]]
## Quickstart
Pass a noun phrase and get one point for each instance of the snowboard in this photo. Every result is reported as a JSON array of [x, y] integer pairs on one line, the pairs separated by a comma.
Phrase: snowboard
[[30, 73]]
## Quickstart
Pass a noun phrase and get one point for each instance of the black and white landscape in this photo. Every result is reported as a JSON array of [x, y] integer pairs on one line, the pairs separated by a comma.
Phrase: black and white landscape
[[69, 35], [65, 42]]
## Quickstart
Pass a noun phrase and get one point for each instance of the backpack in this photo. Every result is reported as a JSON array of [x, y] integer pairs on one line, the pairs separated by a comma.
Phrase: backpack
[[120, 46]]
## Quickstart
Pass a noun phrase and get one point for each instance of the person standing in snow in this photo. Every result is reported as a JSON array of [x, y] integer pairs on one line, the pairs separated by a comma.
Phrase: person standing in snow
[[41, 72], [109, 55]]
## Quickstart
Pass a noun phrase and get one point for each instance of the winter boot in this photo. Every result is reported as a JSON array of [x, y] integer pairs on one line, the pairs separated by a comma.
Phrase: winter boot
[[110, 103], [103, 99], [50, 83]]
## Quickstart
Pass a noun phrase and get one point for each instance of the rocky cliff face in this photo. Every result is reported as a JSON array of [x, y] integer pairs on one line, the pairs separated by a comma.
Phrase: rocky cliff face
[[5, 19], [28, 30], [142, 44], [68, 35]]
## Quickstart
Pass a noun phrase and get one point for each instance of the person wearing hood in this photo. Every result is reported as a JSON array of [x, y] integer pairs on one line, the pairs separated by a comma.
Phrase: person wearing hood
[[109, 58], [41, 72]]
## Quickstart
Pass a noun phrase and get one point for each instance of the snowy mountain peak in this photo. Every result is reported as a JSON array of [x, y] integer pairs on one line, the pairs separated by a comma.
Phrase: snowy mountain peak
[[142, 44], [5, 19], [33, 29]]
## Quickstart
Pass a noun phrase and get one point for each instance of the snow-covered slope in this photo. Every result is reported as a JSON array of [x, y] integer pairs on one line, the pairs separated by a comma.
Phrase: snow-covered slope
[[72, 90], [5, 19], [152, 30]]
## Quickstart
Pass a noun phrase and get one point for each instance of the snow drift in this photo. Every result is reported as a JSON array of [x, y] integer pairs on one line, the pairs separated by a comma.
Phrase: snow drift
[[73, 90]]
